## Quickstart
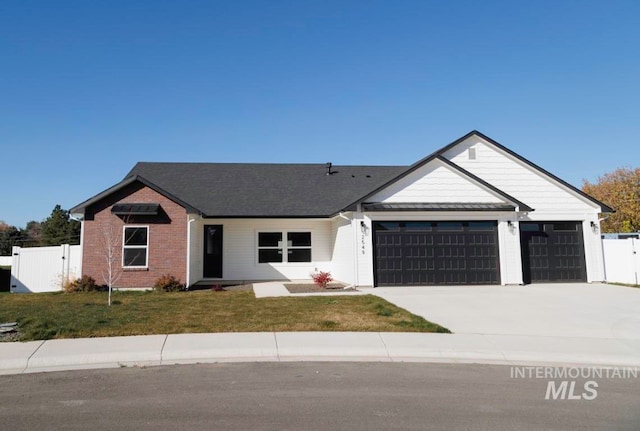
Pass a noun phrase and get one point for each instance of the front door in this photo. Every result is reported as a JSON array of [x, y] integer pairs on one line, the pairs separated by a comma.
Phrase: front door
[[212, 251]]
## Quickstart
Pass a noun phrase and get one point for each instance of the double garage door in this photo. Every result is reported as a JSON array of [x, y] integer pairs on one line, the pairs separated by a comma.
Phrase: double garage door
[[419, 253], [440, 253]]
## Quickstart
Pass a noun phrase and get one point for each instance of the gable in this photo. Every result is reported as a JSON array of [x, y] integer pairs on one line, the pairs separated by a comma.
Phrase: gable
[[436, 181], [128, 200], [516, 177]]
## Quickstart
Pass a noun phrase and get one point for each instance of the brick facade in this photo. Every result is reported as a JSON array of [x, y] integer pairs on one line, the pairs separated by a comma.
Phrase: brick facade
[[167, 248]]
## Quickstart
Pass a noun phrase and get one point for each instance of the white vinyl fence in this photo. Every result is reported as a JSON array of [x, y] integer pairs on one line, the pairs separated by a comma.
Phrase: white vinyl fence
[[42, 269], [622, 260]]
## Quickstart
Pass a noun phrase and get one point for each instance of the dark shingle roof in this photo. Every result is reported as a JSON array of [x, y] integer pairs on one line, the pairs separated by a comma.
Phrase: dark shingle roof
[[265, 190], [291, 190]]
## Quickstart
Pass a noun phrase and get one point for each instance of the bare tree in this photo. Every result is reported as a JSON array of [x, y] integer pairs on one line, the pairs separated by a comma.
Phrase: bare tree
[[110, 247]]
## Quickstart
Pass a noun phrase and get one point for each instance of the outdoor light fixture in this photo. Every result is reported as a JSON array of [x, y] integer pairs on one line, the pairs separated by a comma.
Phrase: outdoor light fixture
[[511, 226], [594, 226], [363, 226]]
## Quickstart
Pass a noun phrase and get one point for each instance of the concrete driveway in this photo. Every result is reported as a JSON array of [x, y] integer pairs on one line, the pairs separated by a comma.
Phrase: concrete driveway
[[562, 310]]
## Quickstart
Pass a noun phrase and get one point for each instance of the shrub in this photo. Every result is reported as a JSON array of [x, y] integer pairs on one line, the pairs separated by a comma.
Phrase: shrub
[[168, 283], [321, 278], [82, 284]]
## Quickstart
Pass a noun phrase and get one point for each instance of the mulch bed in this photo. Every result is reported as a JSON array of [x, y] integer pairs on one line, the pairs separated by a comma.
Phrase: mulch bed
[[221, 288], [312, 288]]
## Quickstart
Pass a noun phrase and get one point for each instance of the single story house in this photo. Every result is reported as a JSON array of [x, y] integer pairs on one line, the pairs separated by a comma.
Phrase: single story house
[[473, 212]]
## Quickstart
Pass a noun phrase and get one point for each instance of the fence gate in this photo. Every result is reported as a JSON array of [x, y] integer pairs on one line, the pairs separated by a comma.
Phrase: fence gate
[[622, 260], [42, 269]]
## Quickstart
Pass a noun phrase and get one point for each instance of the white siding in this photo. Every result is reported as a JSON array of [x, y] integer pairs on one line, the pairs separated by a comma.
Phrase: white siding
[[365, 253], [593, 250], [510, 253], [240, 261], [343, 259], [194, 264], [517, 179], [435, 182]]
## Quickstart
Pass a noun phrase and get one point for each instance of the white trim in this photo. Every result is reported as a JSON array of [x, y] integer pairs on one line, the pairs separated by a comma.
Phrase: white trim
[[145, 247], [188, 274]]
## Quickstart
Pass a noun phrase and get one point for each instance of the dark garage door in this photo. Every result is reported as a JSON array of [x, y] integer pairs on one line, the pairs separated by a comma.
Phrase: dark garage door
[[552, 252], [422, 253]]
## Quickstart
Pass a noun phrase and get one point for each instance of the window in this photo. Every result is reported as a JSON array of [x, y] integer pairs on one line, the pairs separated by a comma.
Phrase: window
[[272, 248], [480, 225], [299, 247], [135, 244], [269, 247], [566, 227]]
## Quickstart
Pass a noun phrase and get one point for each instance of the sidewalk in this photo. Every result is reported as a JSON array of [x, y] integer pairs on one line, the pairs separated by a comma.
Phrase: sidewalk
[[72, 354]]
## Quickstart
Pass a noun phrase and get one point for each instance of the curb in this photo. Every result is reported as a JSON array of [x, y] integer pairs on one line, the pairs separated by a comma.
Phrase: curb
[[154, 350]]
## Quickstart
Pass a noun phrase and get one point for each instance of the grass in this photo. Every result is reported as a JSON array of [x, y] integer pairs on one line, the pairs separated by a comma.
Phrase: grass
[[62, 315]]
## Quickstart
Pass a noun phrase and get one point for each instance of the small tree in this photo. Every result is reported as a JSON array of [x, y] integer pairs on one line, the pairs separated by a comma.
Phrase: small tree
[[110, 246]]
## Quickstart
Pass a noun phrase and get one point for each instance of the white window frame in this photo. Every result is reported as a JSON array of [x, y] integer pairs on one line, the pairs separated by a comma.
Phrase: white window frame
[[124, 246], [284, 246]]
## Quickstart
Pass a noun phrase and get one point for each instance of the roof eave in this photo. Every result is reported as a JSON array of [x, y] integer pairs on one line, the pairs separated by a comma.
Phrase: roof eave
[[80, 208]]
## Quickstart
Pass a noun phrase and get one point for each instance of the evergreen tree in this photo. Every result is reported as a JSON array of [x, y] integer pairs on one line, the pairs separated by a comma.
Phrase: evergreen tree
[[59, 228], [9, 236]]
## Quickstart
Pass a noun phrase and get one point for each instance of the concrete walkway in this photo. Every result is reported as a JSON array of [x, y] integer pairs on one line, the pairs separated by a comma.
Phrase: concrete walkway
[[71, 354]]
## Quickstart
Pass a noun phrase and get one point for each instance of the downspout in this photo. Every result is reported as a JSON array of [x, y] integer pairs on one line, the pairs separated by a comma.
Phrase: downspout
[[81, 220], [604, 264], [355, 249], [188, 281]]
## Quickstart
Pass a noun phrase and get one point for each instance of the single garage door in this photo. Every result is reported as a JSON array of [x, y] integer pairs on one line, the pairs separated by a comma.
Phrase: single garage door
[[423, 253], [552, 252]]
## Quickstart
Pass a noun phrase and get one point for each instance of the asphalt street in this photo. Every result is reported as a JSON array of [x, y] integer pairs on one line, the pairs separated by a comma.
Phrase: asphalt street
[[310, 396]]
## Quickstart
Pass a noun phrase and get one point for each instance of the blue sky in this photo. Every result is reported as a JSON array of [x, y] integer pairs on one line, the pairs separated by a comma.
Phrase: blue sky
[[88, 88]]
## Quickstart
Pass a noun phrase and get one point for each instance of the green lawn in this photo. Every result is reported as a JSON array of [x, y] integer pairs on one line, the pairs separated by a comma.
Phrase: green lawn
[[62, 315]]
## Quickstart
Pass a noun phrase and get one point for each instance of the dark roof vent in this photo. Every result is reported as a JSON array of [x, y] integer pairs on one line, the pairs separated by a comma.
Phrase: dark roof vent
[[328, 165]]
